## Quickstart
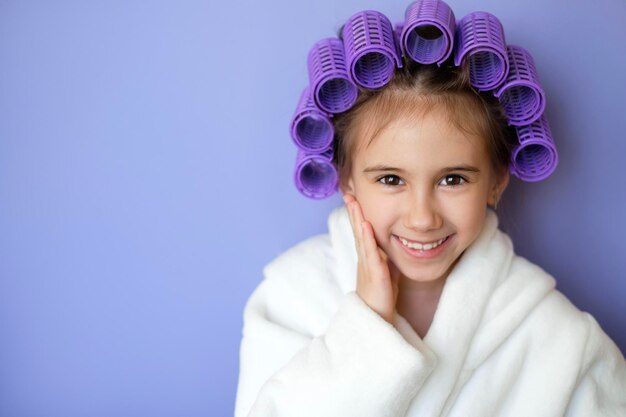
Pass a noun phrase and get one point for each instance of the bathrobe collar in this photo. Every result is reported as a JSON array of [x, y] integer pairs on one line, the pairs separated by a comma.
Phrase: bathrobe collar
[[485, 297]]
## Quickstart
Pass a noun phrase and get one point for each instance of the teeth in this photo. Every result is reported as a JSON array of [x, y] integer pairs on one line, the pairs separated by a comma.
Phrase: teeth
[[427, 246]]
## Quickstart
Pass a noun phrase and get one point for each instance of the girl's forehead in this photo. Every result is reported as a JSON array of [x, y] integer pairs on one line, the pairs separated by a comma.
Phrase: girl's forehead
[[421, 148], [431, 134], [452, 114]]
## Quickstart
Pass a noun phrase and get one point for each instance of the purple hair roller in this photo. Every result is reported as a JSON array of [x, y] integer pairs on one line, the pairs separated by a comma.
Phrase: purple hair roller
[[311, 129], [333, 90], [535, 158], [521, 94], [397, 30], [372, 53], [480, 38], [428, 34], [315, 175]]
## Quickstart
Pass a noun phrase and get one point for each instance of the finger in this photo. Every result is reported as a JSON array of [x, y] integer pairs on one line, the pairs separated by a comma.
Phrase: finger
[[382, 254], [356, 218], [348, 199], [358, 231], [371, 249], [353, 224], [357, 212]]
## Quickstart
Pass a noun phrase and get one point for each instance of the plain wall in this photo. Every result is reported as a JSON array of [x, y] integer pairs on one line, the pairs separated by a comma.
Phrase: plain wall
[[146, 177]]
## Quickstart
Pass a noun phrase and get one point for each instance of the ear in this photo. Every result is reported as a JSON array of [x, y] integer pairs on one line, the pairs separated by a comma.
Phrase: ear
[[347, 186], [502, 181]]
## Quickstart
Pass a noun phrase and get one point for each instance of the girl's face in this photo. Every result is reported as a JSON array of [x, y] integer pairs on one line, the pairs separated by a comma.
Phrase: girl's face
[[424, 181]]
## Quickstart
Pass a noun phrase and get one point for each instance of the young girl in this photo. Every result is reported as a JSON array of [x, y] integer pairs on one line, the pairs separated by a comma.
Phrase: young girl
[[415, 303]]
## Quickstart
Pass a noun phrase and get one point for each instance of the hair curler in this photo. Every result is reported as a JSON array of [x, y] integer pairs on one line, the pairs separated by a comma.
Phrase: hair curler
[[521, 94], [311, 129], [480, 38], [372, 53], [397, 30], [428, 33], [315, 175], [333, 90], [366, 55], [535, 158]]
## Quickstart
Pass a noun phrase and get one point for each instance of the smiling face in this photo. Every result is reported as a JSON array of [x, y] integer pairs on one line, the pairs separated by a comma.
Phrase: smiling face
[[421, 179]]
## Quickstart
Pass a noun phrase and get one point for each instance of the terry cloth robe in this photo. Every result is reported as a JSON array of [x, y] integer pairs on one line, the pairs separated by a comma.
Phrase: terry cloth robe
[[503, 341]]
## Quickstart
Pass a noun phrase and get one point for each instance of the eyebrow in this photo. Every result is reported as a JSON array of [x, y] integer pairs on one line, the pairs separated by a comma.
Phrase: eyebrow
[[378, 168]]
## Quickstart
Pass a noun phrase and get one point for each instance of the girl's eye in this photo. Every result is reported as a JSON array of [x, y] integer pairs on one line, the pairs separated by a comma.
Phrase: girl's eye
[[453, 180], [391, 180]]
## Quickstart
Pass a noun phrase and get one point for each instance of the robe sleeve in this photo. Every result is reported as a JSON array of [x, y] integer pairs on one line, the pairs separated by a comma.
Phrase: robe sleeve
[[600, 389], [361, 366]]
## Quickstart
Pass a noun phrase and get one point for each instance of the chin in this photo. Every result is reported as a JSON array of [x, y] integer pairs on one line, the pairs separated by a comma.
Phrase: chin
[[414, 274], [422, 278]]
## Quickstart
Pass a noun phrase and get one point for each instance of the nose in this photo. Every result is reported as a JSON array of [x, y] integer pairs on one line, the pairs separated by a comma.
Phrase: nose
[[422, 214]]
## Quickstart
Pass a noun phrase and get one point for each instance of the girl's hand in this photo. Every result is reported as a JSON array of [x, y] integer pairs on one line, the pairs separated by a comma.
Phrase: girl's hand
[[377, 276]]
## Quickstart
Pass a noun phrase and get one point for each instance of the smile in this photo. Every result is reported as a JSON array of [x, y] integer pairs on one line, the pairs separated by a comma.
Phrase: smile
[[432, 250], [421, 246]]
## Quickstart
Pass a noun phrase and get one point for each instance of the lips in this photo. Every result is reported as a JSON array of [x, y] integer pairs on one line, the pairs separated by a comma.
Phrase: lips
[[421, 242], [423, 254]]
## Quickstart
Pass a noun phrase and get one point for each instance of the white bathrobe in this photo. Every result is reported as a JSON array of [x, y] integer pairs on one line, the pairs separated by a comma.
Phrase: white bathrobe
[[503, 341]]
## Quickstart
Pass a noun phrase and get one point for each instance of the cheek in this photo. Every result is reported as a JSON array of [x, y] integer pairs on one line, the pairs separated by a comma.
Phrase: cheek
[[382, 213], [375, 205], [472, 220]]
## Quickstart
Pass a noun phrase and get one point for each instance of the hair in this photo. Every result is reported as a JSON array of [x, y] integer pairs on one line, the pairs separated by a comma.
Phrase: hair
[[414, 90]]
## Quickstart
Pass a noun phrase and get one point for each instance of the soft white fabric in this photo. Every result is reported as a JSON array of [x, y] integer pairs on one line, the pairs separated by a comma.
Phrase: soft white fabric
[[503, 342]]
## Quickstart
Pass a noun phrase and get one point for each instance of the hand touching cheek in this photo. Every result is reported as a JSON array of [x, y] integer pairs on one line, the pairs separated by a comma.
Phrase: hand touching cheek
[[377, 276]]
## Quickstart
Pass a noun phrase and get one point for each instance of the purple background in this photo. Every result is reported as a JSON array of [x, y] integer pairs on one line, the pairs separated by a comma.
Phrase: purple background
[[146, 179]]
